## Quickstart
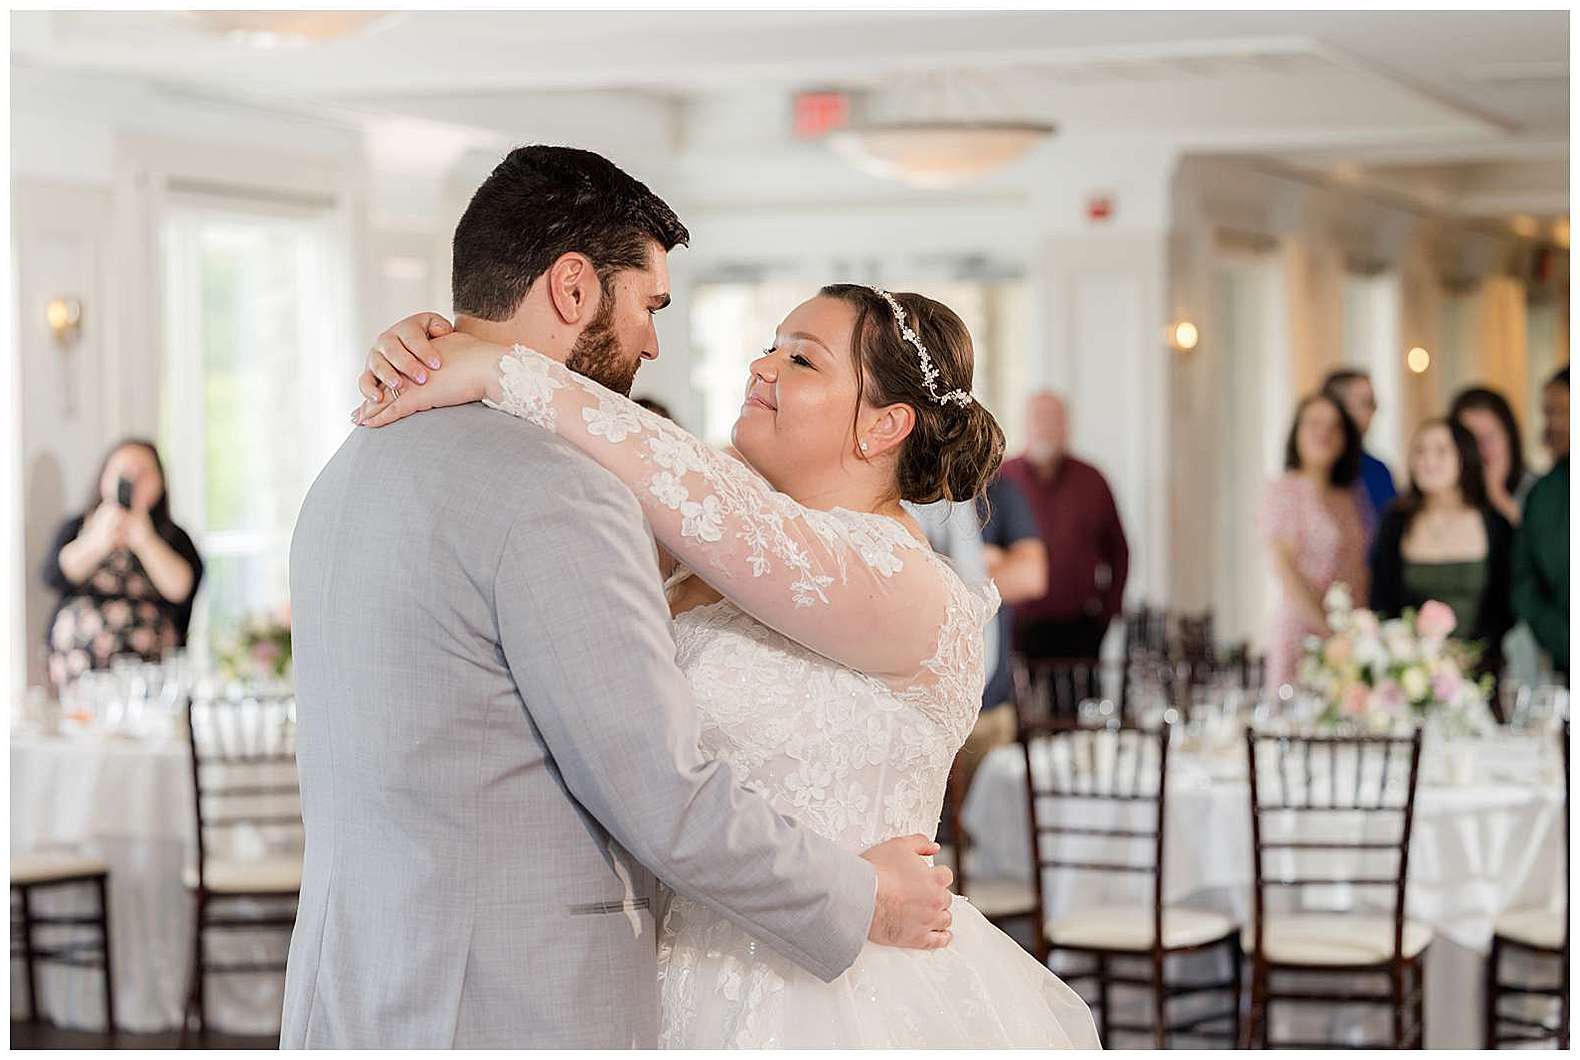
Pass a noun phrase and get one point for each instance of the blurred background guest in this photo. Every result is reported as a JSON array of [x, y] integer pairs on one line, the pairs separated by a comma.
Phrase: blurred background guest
[[1088, 557], [1486, 414], [1353, 390], [1443, 541], [1541, 550], [1313, 526], [125, 572], [655, 406], [1017, 561]]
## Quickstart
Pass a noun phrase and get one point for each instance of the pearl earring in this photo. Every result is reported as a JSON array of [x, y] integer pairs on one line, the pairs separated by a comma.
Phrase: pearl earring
[[864, 447]]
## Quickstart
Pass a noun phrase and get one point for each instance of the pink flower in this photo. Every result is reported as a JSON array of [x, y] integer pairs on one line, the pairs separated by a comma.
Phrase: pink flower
[[1445, 685], [1387, 697], [1355, 700], [1435, 619]]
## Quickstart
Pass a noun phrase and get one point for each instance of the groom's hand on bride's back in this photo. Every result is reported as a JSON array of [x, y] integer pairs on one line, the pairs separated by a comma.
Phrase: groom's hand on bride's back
[[912, 909]]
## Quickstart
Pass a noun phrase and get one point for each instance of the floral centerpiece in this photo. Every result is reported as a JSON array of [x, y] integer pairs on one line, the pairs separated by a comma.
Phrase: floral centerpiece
[[259, 650], [1377, 674]]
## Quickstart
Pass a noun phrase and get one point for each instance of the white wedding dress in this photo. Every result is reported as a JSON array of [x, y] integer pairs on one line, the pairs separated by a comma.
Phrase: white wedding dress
[[840, 675]]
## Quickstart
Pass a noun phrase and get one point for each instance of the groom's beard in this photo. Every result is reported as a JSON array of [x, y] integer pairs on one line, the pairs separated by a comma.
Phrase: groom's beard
[[596, 353]]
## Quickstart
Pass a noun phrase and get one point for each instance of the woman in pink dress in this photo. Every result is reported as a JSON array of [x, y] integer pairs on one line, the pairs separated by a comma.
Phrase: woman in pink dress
[[1314, 531]]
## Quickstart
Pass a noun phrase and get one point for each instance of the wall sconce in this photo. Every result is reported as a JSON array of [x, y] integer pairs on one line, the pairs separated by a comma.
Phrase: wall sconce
[[65, 319], [1418, 359], [1184, 336]]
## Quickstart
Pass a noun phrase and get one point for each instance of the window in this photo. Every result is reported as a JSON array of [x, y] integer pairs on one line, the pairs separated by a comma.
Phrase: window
[[257, 384]]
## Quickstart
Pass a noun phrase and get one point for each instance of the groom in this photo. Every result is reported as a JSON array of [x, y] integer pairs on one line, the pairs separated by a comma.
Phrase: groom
[[497, 752]]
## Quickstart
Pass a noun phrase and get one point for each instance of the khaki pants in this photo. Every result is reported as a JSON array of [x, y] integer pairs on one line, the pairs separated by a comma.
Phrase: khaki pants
[[995, 727]]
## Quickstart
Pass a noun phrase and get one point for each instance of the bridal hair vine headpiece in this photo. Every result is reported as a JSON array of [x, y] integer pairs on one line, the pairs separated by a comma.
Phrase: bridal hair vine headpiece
[[929, 373]]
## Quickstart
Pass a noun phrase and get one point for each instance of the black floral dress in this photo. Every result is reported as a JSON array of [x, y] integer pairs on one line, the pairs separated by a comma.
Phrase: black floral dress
[[116, 610]]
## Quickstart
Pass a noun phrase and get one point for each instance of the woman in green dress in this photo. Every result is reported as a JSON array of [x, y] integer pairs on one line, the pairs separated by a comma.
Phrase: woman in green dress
[[1443, 540]]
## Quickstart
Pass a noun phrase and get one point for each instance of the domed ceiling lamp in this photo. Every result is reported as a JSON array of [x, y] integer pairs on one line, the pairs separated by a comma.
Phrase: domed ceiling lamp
[[275, 29], [928, 132]]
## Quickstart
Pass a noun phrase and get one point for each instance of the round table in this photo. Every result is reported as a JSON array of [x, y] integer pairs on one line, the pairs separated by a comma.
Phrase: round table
[[129, 802], [1478, 850]]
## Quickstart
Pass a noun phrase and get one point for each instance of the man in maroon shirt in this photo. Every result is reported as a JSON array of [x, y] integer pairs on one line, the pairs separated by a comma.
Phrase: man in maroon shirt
[[1088, 559]]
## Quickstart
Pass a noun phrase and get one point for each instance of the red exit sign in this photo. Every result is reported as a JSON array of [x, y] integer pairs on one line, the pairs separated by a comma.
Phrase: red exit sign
[[817, 114]]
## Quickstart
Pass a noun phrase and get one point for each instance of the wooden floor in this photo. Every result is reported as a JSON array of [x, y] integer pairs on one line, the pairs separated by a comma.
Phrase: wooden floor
[[48, 1036]]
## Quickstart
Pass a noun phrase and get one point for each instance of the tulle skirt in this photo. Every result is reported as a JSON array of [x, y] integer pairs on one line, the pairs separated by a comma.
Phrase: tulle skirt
[[723, 989]]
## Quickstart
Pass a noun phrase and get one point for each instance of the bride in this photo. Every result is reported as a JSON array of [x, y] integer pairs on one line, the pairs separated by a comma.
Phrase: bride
[[836, 659]]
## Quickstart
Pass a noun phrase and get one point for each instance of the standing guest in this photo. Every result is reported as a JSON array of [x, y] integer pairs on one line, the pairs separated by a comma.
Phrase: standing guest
[[1314, 529], [1088, 558], [126, 573], [1352, 389], [1541, 548], [1443, 541], [1017, 561], [953, 531], [1489, 419]]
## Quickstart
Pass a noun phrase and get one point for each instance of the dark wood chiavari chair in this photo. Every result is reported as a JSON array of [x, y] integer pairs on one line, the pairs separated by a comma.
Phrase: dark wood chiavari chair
[[1302, 803], [1146, 632], [1193, 636], [1054, 689], [1540, 934], [49, 870], [1133, 782], [243, 778]]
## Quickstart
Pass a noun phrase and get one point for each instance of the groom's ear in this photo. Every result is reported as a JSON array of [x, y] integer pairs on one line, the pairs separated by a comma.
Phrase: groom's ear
[[574, 289]]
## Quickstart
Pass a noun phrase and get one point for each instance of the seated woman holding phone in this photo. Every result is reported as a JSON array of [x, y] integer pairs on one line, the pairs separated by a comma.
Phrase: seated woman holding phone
[[125, 572]]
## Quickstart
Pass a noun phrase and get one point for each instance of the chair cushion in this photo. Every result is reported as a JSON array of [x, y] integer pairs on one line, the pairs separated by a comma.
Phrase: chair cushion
[[46, 866], [1534, 927], [1334, 938], [1129, 928], [994, 898], [267, 876]]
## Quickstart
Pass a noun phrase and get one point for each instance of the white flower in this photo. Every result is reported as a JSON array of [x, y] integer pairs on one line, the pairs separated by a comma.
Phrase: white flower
[[1398, 641], [1415, 684], [704, 521], [612, 421], [1337, 600], [670, 491]]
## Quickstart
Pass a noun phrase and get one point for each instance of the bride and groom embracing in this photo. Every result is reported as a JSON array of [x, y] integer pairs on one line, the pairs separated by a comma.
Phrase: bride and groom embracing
[[566, 788]]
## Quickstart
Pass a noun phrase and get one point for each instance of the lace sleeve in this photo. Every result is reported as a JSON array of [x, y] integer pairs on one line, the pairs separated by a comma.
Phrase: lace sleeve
[[851, 586]]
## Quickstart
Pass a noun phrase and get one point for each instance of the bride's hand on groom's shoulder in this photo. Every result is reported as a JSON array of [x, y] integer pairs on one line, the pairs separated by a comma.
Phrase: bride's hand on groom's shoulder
[[402, 355], [422, 363], [912, 909]]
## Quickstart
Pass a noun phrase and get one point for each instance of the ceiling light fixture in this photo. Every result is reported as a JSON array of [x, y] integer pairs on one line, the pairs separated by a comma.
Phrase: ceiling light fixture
[[285, 29], [923, 132]]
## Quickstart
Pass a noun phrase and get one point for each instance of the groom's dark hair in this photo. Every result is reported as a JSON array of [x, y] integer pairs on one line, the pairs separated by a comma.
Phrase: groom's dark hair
[[543, 202]]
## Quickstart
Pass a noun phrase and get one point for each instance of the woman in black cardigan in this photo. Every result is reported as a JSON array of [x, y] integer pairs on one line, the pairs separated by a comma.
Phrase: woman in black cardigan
[[126, 573], [1442, 540]]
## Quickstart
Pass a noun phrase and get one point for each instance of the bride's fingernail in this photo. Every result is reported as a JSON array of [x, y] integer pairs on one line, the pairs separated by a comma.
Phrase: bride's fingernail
[[422, 377], [434, 364]]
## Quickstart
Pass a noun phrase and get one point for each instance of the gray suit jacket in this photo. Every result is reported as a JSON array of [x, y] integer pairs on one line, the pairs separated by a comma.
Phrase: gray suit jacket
[[498, 755]]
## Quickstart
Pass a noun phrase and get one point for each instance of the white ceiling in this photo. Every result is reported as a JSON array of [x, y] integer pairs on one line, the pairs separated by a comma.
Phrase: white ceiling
[[1464, 112]]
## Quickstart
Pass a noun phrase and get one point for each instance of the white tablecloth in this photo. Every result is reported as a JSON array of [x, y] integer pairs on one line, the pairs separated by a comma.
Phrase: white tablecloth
[[130, 803], [1477, 851]]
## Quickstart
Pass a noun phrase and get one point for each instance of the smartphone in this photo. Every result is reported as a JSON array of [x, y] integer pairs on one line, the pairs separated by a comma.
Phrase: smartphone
[[123, 492]]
